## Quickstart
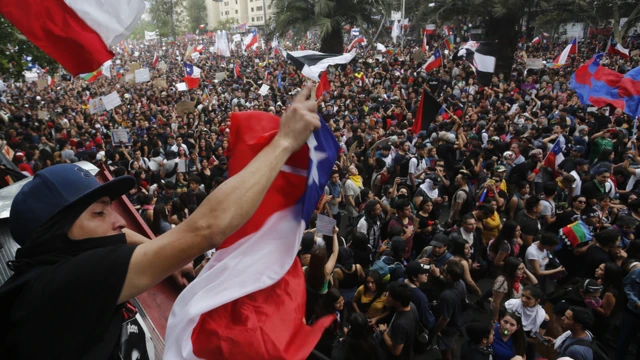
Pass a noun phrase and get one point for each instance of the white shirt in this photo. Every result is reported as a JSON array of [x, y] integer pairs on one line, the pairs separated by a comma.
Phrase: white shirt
[[416, 167], [577, 185], [534, 253]]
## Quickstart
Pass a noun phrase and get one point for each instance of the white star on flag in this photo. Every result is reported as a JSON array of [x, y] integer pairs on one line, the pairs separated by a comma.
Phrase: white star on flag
[[316, 157]]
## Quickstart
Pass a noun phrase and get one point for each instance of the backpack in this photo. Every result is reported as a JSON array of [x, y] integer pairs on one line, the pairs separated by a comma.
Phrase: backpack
[[599, 352], [383, 269]]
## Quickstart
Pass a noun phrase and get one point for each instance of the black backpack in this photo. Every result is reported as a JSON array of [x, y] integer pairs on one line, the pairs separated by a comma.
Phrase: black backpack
[[598, 351]]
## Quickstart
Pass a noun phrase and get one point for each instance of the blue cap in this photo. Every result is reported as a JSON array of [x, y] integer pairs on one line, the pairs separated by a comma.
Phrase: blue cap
[[55, 189]]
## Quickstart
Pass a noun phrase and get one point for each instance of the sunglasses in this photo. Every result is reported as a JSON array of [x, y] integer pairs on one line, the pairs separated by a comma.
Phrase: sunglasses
[[581, 202]]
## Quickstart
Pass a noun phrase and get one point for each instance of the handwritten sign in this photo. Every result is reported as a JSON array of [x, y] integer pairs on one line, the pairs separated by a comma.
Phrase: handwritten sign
[[142, 75], [264, 90], [159, 83], [325, 225], [185, 107], [112, 100], [134, 66], [182, 86], [120, 137]]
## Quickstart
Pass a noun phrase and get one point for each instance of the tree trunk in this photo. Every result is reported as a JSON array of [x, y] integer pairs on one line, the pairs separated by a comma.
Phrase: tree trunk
[[333, 42], [504, 31], [616, 22]]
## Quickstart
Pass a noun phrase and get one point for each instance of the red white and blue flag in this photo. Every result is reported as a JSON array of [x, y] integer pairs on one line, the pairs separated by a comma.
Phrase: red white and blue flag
[[251, 40], [614, 48], [555, 156], [435, 61], [600, 86], [249, 300], [356, 41], [236, 70], [536, 40], [571, 49]]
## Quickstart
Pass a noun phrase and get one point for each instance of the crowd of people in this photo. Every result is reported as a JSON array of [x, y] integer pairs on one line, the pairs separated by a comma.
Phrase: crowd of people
[[422, 217]]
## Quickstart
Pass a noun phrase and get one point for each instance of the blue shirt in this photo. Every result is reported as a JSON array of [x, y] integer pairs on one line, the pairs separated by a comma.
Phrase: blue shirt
[[502, 350], [632, 289]]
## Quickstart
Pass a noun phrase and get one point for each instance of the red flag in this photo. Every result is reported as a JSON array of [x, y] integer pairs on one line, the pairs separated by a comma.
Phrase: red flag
[[323, 85], [155, 59], [236, 70], [424, 42], [191, 82]]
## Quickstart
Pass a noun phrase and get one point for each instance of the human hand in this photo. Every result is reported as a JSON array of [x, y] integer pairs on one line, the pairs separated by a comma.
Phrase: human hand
[[299, 121], [182, 276], [435, 271], [382, 327], [335, 230], [425, 261]]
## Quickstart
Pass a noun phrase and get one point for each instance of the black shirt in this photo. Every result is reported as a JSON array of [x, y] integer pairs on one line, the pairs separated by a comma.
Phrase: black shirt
[[447, 153], [70, 310], [403, 330], [594, 257], [528, 225], [450, 307], [591, 190]]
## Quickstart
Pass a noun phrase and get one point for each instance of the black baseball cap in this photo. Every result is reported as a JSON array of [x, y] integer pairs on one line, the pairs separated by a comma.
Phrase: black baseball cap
[[416, 268], [55, 190]]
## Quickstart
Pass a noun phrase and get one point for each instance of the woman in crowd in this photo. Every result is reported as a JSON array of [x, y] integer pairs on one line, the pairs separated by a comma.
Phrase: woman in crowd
[[332, 304], [318, 274], [160, 223], [610, 276], [506, 244], [492, 224], [509, 342], [426, 224], [534, 318], [539, 256], [516, 203], [572, 214], [348, 276], [370, 299], [461, 250], [510, 284], [359, 343], [606, 213]]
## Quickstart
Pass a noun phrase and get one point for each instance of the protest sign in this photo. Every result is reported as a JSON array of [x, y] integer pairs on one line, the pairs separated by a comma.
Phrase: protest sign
[[42, 84], [182, 86], [130, 78], [112, 100], [534, 63], [162, 65], [96, 105], [237, 37], [325, 225], [159, 83], [185, 107], [264, 90], [221, 75], [120, 137], [142, 75], [134, 66], [42, 115]]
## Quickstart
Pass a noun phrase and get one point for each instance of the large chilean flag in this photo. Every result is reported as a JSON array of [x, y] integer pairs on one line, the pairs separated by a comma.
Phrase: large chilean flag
[[76, 33], [249, 300]]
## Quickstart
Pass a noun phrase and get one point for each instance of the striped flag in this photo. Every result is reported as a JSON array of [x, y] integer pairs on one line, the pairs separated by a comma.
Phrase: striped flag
[[576, 233], [236, 70], [434, 62], [482, 58], [356, 41], [555, 156], [448, 44], [92, 76], [614, 48], [155, 59], [571, 49], [536, 40], [77, 34], [312, 63], [260, 313]]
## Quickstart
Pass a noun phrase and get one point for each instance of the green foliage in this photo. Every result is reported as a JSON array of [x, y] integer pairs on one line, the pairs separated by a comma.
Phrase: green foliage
[[162, 12], [14, 47], [141, 27], [196, 14], [328, 17], [226, 25]]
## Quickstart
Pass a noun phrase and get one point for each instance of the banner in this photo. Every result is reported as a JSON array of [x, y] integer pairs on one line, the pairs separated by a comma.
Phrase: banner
[[534, 63], [112, 100], [96, 105], [150, 35], [120, 137]]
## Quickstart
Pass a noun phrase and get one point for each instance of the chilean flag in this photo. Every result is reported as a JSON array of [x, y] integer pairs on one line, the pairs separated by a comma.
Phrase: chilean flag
[[249, 300], [323, 85], [435, 61], [76, 33], [430, 29], [155, 59], [236, 71], [251, 40], [571, 49], [614, 48], [555, 157], [536, 40], [193, 75], [356, 41]]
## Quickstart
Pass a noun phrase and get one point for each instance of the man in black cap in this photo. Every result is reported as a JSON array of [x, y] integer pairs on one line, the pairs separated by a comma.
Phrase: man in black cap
[[418, 274], [78, 266]]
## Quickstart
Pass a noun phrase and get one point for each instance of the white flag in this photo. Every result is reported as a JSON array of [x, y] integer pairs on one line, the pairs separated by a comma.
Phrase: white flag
[[396, 30], [106, 68], [380, 47]]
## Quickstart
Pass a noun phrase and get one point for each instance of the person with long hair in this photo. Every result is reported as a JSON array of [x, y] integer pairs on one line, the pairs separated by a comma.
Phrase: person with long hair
[[160, 224], [506, 244], [370, 298], [516, 203], [461, 251], [510, 284], [371, 223], [426, 224], [510, 342], [318, 274], [359, 343], [610, 276], [332, 304], [348, 276]]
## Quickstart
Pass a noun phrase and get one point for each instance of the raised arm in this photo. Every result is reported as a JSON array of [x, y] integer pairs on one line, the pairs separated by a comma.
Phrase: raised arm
[[220, 213]]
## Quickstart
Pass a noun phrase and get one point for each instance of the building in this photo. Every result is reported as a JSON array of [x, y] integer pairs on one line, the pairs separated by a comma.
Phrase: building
[[240, 11]]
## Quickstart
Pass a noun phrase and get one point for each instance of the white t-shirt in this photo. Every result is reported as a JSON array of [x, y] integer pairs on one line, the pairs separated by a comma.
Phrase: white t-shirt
[[577, 185], [416, 166], [534, 253], [548, 208], [632, 179]]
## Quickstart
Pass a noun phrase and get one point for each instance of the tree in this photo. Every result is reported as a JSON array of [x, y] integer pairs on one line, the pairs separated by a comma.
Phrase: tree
[[14, 47], [141, 27], [328, 16], [196, 13], [167, 16], [226, 25]]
